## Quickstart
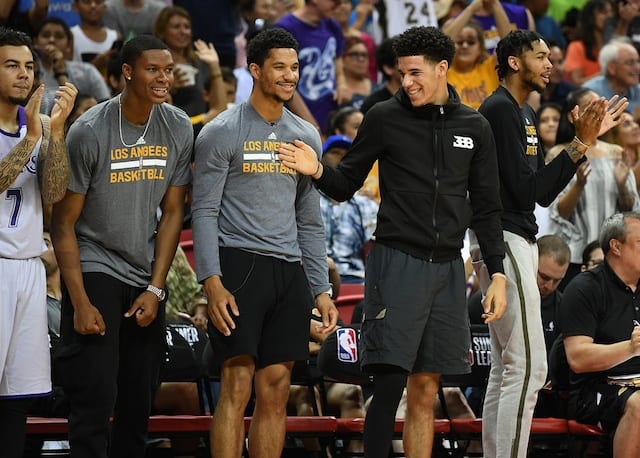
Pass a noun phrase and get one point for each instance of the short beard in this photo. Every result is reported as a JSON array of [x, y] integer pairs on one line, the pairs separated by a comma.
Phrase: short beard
[[19, 101]]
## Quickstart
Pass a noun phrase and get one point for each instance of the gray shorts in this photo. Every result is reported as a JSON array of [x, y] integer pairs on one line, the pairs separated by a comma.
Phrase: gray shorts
[[415, 314]]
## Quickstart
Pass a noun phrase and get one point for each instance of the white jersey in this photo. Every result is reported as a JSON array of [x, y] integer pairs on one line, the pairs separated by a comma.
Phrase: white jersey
[[409, 13], [83, 45], [21, 205]]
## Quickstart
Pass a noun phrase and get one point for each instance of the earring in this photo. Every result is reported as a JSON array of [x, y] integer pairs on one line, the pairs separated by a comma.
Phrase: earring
[[128, 78]]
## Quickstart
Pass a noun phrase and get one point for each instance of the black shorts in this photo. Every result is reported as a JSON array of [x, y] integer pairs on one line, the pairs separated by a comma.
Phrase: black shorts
[[415, 314], [600, 403], [274, 301]]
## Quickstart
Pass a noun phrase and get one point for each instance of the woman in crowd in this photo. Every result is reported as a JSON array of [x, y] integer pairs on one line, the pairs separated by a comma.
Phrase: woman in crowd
[[356, 70], [472, 71], [602, 186], [581, 62], [192, 66], [627, 135], [548, 116]]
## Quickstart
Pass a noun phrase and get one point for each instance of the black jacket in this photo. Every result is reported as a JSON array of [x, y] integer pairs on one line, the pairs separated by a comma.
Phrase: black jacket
[[438, 176]]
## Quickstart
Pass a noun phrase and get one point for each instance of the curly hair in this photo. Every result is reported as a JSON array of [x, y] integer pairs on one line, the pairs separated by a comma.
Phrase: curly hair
[[259, 47], [11, 37], [515, 43], [429, 42]]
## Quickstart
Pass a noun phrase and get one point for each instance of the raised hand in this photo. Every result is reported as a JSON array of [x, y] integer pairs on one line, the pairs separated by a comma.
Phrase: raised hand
[[32, 112], [613, 115], [206, 52], [65, 98]]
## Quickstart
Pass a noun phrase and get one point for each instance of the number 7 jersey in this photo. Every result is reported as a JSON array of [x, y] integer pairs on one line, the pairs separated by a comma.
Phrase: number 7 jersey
[[21, 204]]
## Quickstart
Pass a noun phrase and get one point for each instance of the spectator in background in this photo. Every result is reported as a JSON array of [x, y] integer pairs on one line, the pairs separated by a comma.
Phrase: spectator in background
[[520, 18], [548, 117], [216, 22], [322, 86], [391, 82], [472, 72], [344, 17], [620, 66], [627, 135], [255, 15], [92, 41], [592, 256], [602, 337], [545, 24], [132, 17], [625, 22], [192, 66], [581, 60], [348, 225], [601, 186], [356, 74], [26, 21], [114, 77], [82, 103], [53, 41]]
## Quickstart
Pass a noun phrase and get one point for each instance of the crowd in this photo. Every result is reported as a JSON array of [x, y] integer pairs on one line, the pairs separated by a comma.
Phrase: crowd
[[460, 161]]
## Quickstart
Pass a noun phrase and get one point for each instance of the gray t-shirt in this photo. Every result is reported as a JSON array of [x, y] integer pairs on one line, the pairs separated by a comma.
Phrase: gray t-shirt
[[130, 24], [123, 186], [243, 197]]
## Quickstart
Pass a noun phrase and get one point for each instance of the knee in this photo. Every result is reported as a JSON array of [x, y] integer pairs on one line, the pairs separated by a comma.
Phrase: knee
[[632, 408], [235, 387]]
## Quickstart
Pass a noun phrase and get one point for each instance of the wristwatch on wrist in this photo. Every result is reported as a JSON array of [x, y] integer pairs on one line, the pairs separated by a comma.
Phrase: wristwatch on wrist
[[161, 293]]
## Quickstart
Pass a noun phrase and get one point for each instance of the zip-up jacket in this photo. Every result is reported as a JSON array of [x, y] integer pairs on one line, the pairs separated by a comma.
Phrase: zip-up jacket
[[438, 176], [524, 177]]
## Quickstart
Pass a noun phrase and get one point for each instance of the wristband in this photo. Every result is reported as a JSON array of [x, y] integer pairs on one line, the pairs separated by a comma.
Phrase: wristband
[[216, 76], [581, 142]]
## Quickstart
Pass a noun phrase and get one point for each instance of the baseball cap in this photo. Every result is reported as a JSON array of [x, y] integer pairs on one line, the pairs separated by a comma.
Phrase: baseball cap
[[336, 141]]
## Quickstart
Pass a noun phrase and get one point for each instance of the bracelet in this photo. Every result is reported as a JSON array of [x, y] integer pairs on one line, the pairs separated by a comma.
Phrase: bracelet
[[581, 142], [216, 76], [59, 74], [317, 169]]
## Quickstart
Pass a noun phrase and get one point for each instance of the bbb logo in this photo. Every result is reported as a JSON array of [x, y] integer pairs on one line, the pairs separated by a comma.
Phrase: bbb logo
[[347, 345], [462, 142]]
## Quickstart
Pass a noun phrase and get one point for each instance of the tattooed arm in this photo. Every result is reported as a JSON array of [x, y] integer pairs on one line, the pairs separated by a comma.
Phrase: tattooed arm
[[12, 164], [53, 164]]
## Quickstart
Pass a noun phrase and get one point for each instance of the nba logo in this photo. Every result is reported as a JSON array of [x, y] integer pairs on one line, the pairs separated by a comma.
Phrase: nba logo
[[347, 345]]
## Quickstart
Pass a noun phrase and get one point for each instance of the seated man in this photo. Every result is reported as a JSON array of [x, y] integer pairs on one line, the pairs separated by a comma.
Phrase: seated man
[[599, 322]]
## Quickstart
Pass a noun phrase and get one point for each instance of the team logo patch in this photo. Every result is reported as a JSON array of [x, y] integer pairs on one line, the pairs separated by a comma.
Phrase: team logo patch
[[462, 142], [347, 345]]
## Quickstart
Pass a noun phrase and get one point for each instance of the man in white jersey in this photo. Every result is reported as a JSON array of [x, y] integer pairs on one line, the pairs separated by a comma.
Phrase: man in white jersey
[[128, 157], [33, 171]]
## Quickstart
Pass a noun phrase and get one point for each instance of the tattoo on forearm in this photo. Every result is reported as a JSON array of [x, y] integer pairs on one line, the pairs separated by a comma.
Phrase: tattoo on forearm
[[13, 163], [53, 171], [574, 153]]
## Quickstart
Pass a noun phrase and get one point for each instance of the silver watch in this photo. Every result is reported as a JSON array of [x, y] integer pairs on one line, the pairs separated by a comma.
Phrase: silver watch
[[161, 293]]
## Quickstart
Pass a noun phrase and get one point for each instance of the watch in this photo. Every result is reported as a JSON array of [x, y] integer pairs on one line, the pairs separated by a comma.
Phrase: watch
[[161, 293]]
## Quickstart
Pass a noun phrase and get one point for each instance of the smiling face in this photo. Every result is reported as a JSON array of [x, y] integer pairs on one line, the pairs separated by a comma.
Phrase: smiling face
[[16, 74], [277, 78], [177, 35], [625, 70], [151, 77], [628, 132], [535, 66], [468, 48], [423, 81]]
